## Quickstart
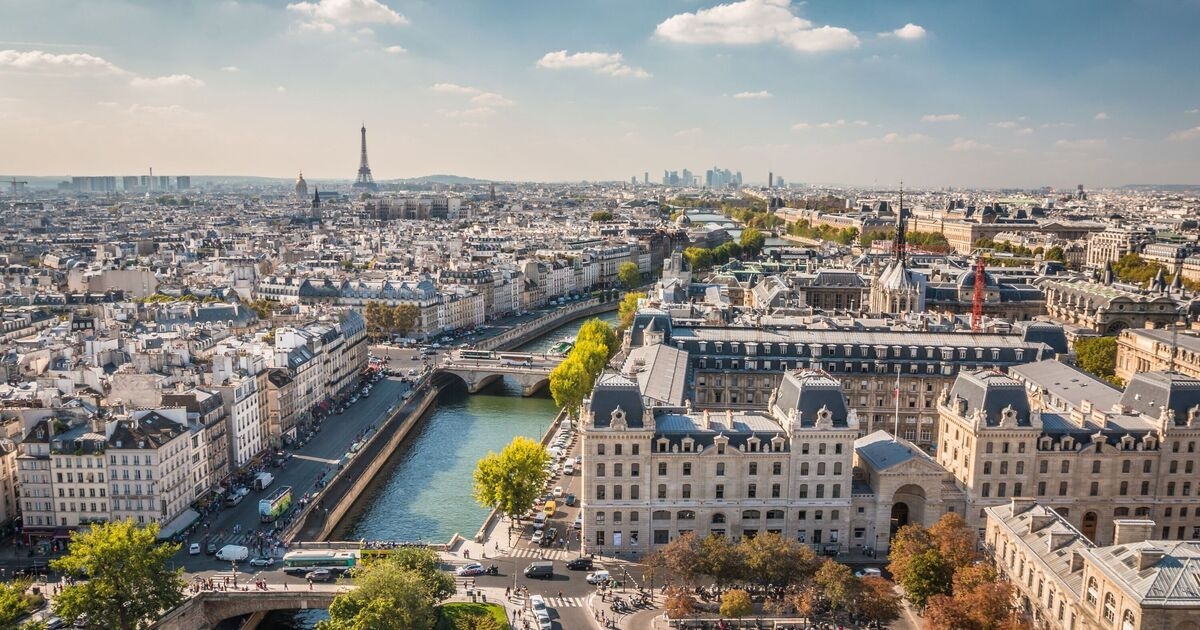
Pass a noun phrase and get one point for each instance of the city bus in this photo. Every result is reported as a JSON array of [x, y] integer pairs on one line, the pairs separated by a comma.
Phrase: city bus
[[305, 560], [477, 354], [273, 506], [516, 359]]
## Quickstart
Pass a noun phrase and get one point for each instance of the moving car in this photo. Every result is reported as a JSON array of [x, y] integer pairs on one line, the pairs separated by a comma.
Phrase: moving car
[[211, 549], [569, 469], [550, 536], [543, 569], [570, 500], [194, 549], [543, 620], [558, 491], [598, 577], [538, 536], [263, 561], [55, 623], [579, 522], [868, 572], [537, 603], [320, 575], [580, 564], [471, 568]]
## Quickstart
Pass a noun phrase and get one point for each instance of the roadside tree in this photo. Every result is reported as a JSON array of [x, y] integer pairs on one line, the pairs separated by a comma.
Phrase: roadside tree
[[878, 601], [128, 580], [511, 480], [628, 308], [837, 583], [399, 592], [629, 274], [773, 559], [680, 602], [736, 603]]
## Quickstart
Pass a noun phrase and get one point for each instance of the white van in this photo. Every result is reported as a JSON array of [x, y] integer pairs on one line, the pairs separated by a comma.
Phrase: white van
[[231, 553]]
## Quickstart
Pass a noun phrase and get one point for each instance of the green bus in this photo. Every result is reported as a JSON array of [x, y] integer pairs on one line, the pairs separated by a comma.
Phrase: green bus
[[305, 560], [273, 506]]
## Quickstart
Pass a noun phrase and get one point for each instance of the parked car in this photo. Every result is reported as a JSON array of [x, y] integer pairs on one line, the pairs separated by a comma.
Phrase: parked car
[[598, 577], [211, 549], [471, 568], [55, 623], [569, 469], [320, 575], [579, 522], [263, 561], [194, 549], [580, 564]]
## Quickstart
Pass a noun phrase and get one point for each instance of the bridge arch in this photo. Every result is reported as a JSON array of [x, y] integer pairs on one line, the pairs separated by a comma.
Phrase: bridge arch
[[207, 609]]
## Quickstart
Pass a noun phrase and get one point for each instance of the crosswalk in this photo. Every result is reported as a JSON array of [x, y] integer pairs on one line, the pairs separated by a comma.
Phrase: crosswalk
[[541, 553], [553, 601]]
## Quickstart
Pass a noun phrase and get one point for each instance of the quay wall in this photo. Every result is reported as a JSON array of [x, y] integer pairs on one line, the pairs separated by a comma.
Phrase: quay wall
[[529, 331]]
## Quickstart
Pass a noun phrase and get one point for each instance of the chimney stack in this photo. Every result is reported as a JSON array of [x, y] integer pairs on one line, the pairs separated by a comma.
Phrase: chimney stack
[[1021, 505], [1128, 531], [1148, 556]]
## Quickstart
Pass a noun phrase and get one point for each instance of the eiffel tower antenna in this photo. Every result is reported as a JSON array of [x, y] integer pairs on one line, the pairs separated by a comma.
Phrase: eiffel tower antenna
[[364, 180]]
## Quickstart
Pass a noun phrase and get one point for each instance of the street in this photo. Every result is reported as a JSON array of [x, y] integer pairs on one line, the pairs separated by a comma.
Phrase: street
[[321, 454]]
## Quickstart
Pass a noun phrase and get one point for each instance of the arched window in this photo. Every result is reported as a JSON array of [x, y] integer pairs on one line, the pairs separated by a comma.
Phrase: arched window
[[661, 515], [775, 514], [1093, 591], [1110, 607], [1127, 621], [685, 515], [1121, 511], [718, 518], [749, 515]]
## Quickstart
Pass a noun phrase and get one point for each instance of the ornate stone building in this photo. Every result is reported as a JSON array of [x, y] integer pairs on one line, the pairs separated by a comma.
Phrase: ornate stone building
[[1106, 308]]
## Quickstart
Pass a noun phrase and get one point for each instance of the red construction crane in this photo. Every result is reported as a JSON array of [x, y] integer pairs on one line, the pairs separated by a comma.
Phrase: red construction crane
[[977, 303]]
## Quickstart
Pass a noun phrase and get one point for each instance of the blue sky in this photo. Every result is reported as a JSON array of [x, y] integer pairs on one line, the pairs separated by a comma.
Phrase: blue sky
[[1017, 93]]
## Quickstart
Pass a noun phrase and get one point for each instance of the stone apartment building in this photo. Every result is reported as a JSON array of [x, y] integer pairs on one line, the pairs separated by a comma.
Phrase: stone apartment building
[[999, 438], [1065, 582], [1146, 350], [739, 367], [209, 436], [150, 467], [1113, 243], [652, 475]]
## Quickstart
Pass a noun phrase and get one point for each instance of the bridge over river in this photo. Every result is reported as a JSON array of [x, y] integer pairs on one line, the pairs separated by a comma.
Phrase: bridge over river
[[530, 371]]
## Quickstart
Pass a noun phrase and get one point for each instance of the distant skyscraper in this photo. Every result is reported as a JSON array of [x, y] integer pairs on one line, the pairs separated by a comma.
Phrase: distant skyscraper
[[646, 178], [364, 181], [183, 182], [770, 179], [129, 183]]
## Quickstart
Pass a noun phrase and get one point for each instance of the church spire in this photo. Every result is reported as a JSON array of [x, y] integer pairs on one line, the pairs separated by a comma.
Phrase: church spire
[[900, 244]]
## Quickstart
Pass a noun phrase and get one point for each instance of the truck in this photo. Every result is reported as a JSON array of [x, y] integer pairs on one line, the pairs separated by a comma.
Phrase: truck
[[263, 480], [233, 553]]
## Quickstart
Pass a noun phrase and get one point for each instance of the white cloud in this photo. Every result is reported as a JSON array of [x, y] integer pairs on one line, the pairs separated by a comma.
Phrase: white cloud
[[1055, 125], [323, 15], [753, 95], [1081, 144], [940, 117], [908, 31], [967, 144], [280, 89], [36, 61], [754, 22], [843, 123], [1004, 124], [1100, 116], [800, 126], [395, 50], [897, 138], [231, 69], [612, 64], [169, 81], [163, 110], [1025, 132], [693, 132], [471, 113], [483, 100], [1193, 111], [1186, 134]]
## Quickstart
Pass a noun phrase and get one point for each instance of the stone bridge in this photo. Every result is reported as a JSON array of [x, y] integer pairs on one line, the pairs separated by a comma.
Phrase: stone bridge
[[477, 374], [208, 608]]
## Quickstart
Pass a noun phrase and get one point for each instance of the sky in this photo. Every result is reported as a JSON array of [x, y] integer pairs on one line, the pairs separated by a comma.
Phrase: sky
[[1021, 93]]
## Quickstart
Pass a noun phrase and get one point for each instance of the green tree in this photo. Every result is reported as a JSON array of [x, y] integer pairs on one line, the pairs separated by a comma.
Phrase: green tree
[[399, 592], [16, 602], [837, 583], [512, 479], [629, 274], [599, 331], [698, 258], [570, 383], [752, 241], [628, 309], [736, 603], [404, 318], [128, 582], [927, 575], [1097, 356], [1056, 253], [602, 215]]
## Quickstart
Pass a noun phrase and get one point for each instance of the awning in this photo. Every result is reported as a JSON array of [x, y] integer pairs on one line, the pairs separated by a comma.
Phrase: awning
[[178, 524]]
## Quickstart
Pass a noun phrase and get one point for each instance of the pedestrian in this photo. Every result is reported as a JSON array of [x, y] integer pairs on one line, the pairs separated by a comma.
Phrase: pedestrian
[[310, 584]]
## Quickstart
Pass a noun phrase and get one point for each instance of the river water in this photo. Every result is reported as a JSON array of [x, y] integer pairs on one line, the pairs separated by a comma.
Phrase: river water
[[426, 490]]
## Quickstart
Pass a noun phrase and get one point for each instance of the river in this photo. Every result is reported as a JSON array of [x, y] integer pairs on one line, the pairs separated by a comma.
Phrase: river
[[426, 490]]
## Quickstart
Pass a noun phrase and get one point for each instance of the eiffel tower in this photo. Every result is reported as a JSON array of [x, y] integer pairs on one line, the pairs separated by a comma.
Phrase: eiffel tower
[[364, 181]]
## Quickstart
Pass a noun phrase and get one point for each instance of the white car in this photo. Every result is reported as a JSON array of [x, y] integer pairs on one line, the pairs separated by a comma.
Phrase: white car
[[543, 619], [598, 577], [537, 536], [262, 562], [579, 522], [558, 491], [569, 469], [194, 549], [537, 603], [868, 572]]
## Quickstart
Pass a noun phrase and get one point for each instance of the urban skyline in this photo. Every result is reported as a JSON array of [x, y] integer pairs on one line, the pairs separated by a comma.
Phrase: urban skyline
[[1019, 96]]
